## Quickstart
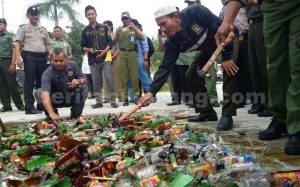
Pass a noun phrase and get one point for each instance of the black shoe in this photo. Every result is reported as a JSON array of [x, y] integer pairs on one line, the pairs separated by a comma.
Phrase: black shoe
[[215, 104], [255, 110], [105, 100], [114, 105], [21, 108], [225, 123], [273, 132], [265, 113], [292, 147], [97, 105], [3, 109], [126, 103], [33, 111], [174, 103], [204, 116]]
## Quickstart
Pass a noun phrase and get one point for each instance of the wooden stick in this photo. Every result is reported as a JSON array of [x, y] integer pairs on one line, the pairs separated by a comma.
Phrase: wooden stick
[[217, 52], [133, 110]]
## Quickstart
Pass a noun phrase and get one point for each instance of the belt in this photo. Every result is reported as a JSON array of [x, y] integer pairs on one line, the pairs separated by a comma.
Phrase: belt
[[256, 20], [36, 54], [126, 49]]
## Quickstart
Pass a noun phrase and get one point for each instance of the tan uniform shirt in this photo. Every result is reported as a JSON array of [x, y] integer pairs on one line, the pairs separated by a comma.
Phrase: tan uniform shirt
[[33, 38]]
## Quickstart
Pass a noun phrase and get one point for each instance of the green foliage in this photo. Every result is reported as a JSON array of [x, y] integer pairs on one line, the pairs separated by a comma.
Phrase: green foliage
[[74, 37], [157, 56], [56, 9]]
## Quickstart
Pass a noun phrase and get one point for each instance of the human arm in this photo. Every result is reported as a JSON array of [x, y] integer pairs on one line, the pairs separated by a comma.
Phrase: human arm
[[171, 54], [46, 99], [232, 9], [12, 67]]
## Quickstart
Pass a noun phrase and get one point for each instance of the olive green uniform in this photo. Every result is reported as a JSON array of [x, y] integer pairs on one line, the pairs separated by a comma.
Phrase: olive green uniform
[[258, 58], [8, 80], [61, 44], [128, 63], [282, 39]]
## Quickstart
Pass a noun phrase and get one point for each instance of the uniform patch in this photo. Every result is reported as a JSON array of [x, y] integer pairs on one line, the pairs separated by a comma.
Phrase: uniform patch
[[196, 28], [70, 72]]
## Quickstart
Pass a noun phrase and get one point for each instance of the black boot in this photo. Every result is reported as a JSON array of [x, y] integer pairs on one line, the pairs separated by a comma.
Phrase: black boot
[[126, 103], [273, 132], [204, 116], [225, 123], [292, 147]]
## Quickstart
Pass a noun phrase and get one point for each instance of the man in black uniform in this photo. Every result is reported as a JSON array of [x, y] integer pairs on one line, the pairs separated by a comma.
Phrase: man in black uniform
[[62, 86], [192, 29]]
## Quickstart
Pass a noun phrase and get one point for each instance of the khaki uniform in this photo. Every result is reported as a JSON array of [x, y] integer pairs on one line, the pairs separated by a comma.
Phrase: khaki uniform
[[128, 63], [34, 40]]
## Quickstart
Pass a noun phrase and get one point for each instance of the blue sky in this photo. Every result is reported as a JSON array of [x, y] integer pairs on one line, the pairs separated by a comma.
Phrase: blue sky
[[15, 11]]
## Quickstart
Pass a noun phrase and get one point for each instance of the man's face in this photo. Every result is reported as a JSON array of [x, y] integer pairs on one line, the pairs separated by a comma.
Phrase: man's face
[[59, 61], [169, 25], [57, 33], [2, 27], [126, 21], [33, 18], [91, 15]]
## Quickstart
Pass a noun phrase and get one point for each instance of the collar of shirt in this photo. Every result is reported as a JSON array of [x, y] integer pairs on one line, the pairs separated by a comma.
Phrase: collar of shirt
[[98, 25]]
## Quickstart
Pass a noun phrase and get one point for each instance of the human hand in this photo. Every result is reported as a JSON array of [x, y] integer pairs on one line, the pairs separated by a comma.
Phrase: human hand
[[74, 83], [55, 117], [146, 64], [229, 67], [146, 100], [12, 68], [19, 62], [223, 32]]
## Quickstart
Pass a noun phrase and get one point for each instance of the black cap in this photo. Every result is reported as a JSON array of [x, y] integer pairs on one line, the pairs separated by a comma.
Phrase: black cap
[[2, 20], [33, 10]]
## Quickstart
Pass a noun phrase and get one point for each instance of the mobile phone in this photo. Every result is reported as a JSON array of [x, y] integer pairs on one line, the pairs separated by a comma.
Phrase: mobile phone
[[159, 32]]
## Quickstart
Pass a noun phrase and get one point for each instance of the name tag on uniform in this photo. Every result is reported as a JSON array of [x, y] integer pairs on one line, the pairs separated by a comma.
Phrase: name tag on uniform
[[131, 38]]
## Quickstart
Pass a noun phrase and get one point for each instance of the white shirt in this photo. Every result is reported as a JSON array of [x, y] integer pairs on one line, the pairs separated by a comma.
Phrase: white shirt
[[85, 65]]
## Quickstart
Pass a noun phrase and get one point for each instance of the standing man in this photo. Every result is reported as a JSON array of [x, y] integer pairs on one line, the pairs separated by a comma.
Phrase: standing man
[[36, 47], [59, 42], [126, 37], [193, 29], [258, 60], [8, 70], [96, 41], [62, 86], [281, 34]]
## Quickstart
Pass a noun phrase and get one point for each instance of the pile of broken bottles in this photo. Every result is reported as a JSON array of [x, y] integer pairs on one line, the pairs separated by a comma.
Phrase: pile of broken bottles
[[143, 151]]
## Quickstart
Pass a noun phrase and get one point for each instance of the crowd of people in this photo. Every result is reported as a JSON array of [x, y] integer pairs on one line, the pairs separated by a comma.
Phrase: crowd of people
[[260, 65]]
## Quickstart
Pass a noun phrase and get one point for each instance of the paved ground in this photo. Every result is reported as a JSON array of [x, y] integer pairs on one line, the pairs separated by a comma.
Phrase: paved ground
[[244, 133]]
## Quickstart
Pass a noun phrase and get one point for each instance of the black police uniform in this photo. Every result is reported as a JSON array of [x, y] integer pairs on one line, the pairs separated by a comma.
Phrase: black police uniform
[[199, 25], [56, 82]]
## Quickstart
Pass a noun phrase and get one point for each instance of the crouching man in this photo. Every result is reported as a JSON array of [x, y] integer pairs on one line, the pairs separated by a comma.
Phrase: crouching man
[[63, 85]]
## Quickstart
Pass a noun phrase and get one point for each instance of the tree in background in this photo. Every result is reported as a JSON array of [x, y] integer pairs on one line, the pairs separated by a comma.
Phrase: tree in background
[[55, 9], [73, 38], [157, 56]]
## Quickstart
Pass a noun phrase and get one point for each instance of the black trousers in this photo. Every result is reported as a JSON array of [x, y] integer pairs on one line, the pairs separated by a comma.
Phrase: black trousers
[[8, 85], [90, 83], [34, 66], [179, 83]]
